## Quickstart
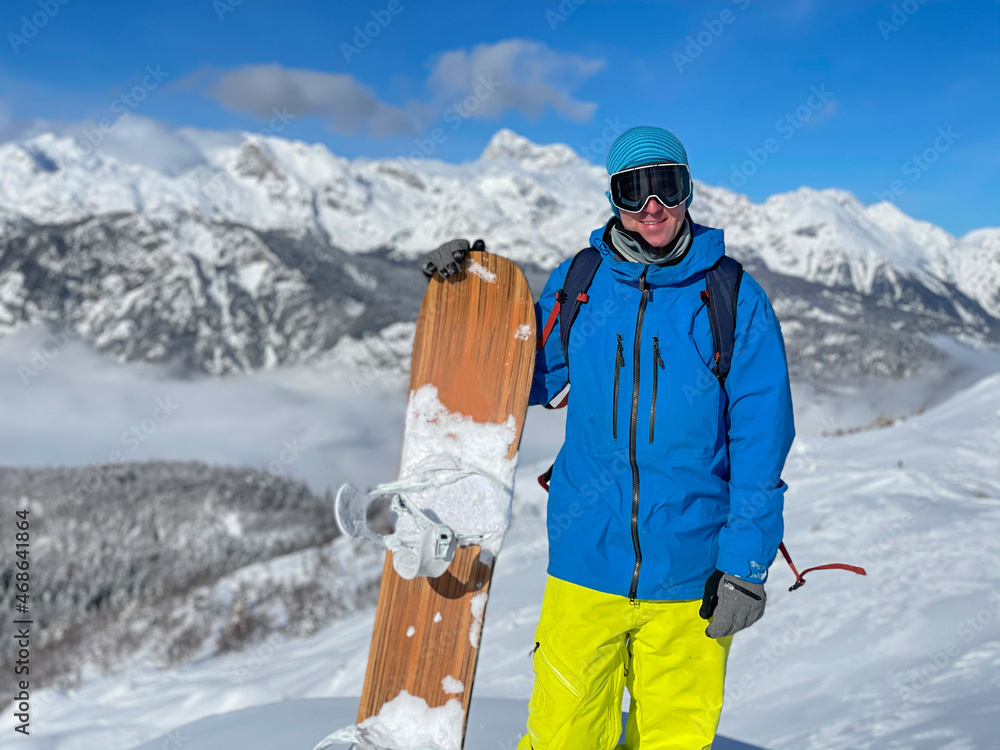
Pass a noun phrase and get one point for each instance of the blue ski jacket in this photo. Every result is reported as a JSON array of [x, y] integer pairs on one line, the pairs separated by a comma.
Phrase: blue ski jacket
[[664, 474]]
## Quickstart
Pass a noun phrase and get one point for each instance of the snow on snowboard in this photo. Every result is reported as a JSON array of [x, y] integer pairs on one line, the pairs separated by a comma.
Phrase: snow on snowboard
[[470, 377]]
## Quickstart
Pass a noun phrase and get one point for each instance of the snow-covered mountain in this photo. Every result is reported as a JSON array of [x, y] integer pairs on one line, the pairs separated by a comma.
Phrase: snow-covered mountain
[[260, 251]]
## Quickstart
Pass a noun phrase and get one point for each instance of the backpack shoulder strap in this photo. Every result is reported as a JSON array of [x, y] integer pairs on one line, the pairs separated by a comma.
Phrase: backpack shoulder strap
[[574, 292], [722, 289], [577, 281]]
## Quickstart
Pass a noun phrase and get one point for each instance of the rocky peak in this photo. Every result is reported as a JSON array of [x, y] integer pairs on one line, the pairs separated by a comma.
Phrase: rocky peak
[[506, 144]]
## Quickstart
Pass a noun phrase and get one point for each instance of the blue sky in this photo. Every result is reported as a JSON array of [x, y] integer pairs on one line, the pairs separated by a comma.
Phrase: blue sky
[[895, 100]]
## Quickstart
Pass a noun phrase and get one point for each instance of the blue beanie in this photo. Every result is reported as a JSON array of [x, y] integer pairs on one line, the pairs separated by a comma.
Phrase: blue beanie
[[645, 144]]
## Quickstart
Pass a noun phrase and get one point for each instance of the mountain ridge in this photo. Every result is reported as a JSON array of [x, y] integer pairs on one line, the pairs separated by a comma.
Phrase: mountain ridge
[[263, 251]]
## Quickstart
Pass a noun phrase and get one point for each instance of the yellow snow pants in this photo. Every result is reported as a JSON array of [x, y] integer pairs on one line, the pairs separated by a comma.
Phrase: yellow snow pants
[[591, 645]]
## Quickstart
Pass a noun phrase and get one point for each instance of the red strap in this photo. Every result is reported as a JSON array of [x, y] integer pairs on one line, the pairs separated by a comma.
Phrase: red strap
[[549, 323], [800, 577], [561, 404], [582, 297], [543, 479]]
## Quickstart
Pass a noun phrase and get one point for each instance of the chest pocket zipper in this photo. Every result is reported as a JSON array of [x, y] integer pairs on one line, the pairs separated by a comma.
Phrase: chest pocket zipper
[[657, 366], [619, 364]]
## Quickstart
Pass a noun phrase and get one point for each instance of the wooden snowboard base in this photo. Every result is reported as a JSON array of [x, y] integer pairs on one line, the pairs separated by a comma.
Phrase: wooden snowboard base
[[475, 342]]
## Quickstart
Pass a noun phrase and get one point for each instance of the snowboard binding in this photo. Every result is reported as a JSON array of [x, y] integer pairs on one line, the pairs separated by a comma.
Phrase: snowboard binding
[[422, 545]]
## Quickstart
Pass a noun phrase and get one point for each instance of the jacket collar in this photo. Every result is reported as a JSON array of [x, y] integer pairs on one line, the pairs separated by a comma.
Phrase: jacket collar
[[707, 247]]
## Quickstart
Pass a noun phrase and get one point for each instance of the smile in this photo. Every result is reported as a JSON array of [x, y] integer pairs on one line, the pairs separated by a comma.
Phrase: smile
[[653, 223]]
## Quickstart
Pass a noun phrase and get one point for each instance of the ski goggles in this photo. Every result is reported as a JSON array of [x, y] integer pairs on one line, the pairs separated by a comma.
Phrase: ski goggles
[[669, 183]]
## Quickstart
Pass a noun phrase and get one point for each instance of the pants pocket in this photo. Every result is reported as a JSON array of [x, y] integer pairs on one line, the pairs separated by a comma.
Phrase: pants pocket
[[556, 698]]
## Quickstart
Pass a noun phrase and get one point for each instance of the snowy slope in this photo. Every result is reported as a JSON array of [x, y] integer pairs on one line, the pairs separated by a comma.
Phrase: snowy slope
[[494, 724], [905, 658]]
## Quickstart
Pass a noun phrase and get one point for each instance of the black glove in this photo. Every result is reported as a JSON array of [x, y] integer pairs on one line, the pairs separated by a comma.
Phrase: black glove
[[736, 604], [447, 259]]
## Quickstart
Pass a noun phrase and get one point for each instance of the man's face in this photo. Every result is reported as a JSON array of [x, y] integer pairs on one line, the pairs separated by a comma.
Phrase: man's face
[[657, 224]]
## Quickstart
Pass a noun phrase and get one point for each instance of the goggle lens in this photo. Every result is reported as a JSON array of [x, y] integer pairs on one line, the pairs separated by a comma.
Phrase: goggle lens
[[669, 183]]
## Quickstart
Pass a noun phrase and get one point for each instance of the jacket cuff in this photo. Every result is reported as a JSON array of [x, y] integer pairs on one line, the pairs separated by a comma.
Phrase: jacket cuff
[[746, 570]]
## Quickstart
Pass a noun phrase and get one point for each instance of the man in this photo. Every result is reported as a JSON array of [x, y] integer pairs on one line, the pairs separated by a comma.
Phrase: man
[[665, 500]]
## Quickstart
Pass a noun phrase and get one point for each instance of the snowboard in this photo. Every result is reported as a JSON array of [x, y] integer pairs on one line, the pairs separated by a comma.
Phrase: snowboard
[[470, 376]]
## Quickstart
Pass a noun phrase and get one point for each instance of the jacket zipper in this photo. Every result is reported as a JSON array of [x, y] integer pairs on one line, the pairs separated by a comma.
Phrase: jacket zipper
[[619, 364], [632, 437], [657, 365], [555, 671]]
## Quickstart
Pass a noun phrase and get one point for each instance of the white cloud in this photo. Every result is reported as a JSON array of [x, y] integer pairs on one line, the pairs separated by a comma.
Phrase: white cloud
[[526, 76], [346, 103], [78, 407], [140, 140], [131, 138], [529, 77]]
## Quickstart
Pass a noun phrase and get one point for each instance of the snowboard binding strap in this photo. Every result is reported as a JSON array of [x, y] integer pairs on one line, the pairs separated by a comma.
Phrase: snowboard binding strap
[[427, 547]]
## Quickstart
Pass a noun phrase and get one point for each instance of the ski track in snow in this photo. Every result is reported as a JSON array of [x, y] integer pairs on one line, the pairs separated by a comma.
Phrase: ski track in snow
[[906, 658]]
